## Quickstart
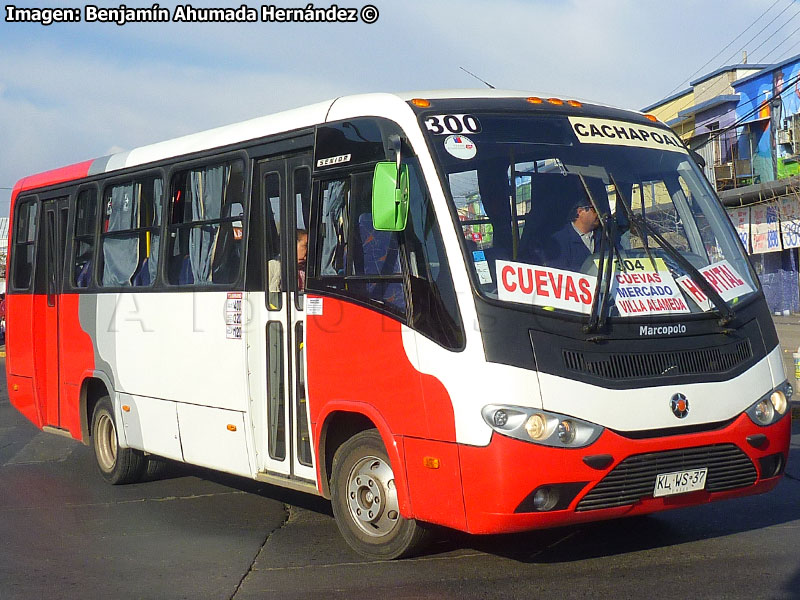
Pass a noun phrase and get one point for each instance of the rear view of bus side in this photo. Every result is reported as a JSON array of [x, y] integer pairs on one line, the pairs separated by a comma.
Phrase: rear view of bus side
[[389, 301]]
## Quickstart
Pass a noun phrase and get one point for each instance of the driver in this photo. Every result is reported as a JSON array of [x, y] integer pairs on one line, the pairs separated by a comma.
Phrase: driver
[[571, 245]]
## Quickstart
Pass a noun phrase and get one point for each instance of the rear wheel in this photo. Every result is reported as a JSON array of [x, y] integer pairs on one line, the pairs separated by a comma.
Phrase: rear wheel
[[116, 465], [156, 467], [364, 501]]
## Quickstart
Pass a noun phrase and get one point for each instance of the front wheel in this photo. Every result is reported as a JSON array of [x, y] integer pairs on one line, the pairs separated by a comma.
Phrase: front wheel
[[364, 501], [116, 465]]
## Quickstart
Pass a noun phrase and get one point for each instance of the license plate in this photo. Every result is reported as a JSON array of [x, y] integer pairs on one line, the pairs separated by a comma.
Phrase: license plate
[[680, 482]]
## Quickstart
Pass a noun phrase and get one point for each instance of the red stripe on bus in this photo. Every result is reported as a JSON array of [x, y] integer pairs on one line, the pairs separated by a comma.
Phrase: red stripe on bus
[[60, 175]]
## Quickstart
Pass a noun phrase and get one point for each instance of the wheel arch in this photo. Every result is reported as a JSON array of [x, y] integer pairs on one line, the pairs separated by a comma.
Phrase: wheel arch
[[95, 385], [340, 422]]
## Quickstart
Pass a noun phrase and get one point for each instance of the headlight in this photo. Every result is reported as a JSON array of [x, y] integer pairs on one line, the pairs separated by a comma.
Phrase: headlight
[[771, 407], [540, 426], [536, 426], [763, 412], [778, 400]]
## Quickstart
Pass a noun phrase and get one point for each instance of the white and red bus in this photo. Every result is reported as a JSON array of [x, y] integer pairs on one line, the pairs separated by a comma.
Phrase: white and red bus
[[515, 313]]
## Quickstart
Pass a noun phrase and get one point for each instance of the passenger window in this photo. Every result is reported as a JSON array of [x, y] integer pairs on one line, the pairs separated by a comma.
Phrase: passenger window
[[301, 184], [131, 229], [272, 242], [83, 247], [206, 225], [24, 244], [405, 274], [335, 225], [368, 265], [369, 260]]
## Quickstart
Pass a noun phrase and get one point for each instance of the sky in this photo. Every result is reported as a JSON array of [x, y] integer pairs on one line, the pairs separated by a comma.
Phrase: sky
[[75, 91]]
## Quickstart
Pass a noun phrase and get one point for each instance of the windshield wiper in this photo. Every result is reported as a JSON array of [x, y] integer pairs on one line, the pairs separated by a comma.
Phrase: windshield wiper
[[726, 312], [597, 317]]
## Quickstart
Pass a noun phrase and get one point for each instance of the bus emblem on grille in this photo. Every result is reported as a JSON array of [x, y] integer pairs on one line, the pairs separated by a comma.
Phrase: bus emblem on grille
[[679, 405]]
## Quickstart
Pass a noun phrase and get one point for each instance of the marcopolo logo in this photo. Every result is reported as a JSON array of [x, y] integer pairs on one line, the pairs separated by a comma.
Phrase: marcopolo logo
[[662, 330], [679, 405]]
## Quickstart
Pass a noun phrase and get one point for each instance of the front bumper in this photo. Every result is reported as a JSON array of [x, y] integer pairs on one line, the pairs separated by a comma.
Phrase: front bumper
[[499, 479]]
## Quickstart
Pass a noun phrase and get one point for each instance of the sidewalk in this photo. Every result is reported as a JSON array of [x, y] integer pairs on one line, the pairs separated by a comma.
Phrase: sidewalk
[[789, 335], [788, 329]]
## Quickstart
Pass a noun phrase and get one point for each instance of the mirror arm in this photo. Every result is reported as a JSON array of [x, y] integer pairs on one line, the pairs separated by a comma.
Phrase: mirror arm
[[396, 144]]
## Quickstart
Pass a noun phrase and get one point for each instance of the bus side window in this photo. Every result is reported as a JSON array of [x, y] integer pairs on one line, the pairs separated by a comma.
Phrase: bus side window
[[83, 248], [433, 297], [333, 230], [131, 230], [206, 228], [24, 244], [271, 219], [150, 236], [376, 254], [358, 261], [352, 256]]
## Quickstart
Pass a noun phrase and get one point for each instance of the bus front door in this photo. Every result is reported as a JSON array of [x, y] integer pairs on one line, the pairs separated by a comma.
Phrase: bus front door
[[276, 352], [48, 346]]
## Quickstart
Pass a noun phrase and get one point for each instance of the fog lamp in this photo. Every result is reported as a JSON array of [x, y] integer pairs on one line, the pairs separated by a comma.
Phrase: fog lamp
[[536, 425], [545, 498], [779, 402], [771, 466]]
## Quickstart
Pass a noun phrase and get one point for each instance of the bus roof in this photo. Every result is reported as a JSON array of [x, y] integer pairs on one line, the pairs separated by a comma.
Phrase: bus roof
[[243, 131]]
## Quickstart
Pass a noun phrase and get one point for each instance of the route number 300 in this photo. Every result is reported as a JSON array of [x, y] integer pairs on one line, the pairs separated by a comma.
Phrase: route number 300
[[448, 124]]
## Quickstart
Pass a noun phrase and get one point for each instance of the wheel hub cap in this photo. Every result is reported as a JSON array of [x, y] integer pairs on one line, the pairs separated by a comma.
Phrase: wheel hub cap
[[372, 497]]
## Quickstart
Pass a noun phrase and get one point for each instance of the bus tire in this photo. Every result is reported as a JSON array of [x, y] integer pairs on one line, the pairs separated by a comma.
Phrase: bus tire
[[156, 467], [364, 501], [116, 465]]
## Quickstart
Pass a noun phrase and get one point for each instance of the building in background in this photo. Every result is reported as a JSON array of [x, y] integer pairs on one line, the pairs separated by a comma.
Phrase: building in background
[[667, 112], [744, 120]]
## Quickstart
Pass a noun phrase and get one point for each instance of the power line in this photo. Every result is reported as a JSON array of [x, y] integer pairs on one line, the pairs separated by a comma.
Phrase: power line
[[724, 83], [783, 41], [791, 2], [787, 51], [774, 33], [720, 132], [712, 90], [726, 47]]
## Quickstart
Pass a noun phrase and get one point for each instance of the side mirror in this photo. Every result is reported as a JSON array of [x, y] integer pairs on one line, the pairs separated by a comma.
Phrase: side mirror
[[390, 193]]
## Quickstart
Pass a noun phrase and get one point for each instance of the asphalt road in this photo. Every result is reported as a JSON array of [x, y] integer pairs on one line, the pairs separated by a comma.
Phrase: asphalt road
[[195, 534]]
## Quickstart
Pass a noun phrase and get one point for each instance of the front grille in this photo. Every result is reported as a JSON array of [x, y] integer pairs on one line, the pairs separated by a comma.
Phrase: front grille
[[717, 359], [635, 477]]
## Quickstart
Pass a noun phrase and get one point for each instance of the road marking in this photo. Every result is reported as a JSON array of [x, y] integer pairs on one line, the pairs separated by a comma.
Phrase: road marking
[[374, 562], [120, 502]]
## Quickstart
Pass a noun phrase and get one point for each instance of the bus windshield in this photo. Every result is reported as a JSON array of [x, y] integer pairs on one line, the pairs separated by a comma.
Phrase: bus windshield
[[587, 215]]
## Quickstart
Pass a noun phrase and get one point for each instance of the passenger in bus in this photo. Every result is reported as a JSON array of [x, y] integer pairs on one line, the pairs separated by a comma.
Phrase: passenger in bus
[[84, 275], [274, 265], [569, 247], [302, 254]]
